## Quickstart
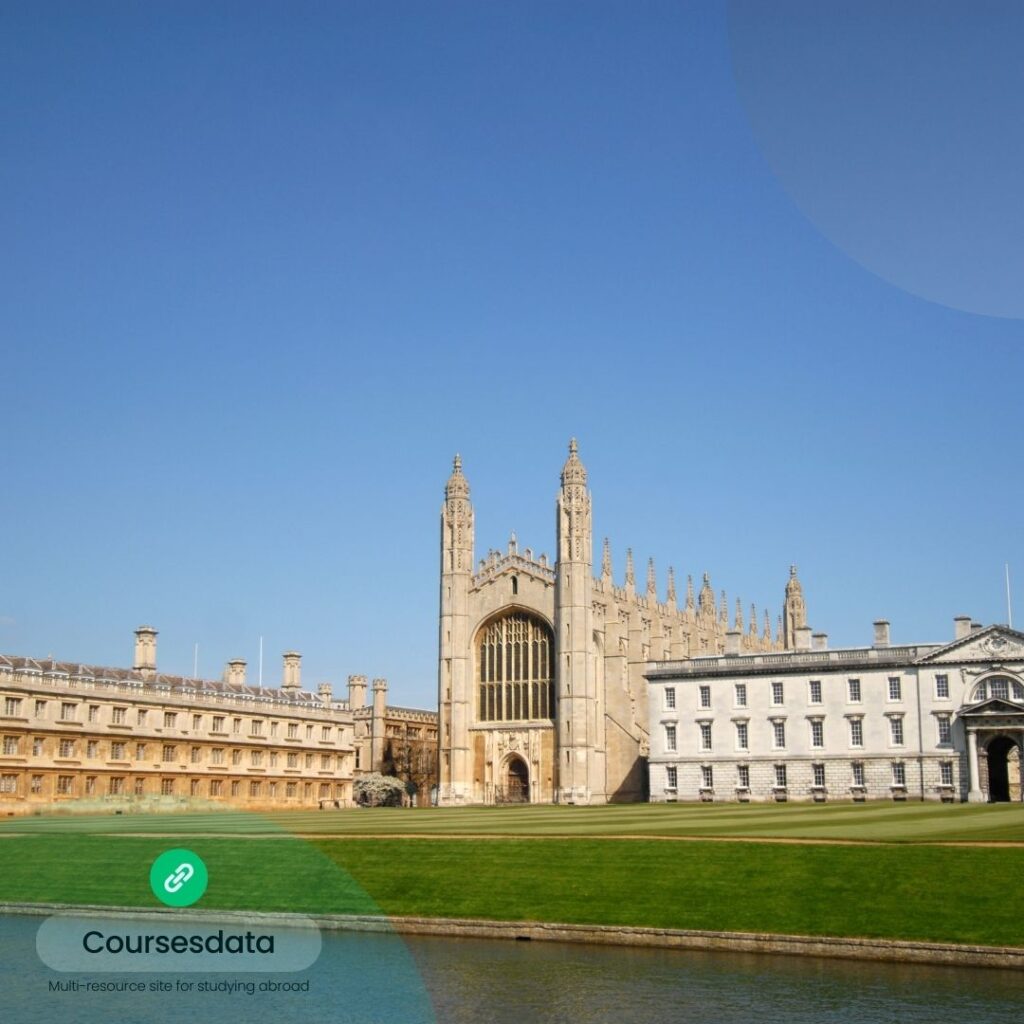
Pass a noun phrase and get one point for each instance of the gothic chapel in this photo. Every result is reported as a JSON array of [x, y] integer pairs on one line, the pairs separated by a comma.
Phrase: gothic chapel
[[541, 685]]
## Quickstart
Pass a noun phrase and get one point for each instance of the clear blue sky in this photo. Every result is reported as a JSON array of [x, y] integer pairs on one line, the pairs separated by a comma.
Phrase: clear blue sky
[[266, 268]]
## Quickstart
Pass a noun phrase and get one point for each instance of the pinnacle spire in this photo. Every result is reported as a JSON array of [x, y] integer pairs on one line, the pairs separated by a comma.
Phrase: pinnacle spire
[[630, 576], [671, 585], [739, 615], [457, 486], [753, 620], [723, 611], [652, 580], [606, 560], [767, 634], [689, 592], [573, 472]]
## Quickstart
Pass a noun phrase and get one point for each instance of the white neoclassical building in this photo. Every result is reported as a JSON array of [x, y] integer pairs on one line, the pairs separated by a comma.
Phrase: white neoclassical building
[[905, 722]]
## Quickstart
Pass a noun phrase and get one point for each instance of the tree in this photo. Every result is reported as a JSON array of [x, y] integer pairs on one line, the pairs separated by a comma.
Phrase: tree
[[376, 790]]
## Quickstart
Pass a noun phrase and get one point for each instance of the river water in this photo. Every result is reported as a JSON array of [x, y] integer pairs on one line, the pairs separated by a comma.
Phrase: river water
[[374, 978]]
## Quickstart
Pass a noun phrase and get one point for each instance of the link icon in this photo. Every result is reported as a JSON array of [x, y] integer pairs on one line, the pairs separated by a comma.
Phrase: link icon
[[178, 878]]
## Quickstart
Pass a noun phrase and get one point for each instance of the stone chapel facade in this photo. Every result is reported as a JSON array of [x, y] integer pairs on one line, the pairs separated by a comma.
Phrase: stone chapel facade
[[541, 687]]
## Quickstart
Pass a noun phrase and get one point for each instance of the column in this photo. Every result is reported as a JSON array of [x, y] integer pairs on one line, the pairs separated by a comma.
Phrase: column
[[974, 795]]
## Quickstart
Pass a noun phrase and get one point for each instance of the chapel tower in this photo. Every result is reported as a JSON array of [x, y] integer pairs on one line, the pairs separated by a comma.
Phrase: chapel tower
[[455, 684], [580, 719]]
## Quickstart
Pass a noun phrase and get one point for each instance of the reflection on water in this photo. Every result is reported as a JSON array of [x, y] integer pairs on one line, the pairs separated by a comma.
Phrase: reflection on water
[[371, 978]]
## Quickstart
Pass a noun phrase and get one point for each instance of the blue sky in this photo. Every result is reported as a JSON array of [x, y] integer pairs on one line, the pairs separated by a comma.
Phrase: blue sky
[[267, 267]]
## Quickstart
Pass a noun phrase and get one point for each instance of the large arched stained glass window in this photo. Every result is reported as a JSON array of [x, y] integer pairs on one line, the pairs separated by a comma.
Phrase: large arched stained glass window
[[515, 669]]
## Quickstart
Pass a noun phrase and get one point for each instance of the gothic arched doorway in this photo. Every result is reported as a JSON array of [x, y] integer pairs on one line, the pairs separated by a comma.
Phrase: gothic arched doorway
[[999, 781], [516, 787]]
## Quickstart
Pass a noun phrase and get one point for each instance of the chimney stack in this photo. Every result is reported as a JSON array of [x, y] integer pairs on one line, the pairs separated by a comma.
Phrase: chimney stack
[[803, 638], [819, 642], [356, 692], [961, 627], [292, 680], [881, 633], [145, 651], [235, 672], [325, 693], [732, 643]]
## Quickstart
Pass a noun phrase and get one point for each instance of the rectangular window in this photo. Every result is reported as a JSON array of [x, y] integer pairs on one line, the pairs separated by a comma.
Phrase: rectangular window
[[309, 760], [92, 748], [290, 790], [309, 732], [741, 695], [37, 746], [139, 786], [743, 776], [67, 748], [856, 732], [218, 723], [257, 727], [256, 757], [197, 754], [742, 738], [217, 755], [12, 706], [325, 734], [899, 773], [10, 744], [895, 688], [254, 788], [273, 759], [293, 760], [853, 691], [236, 725], [359, 754], [896, 730], [1000, 688], [194, 787], [90, 785], [672, 776], [8, 783], [780, 776], [818, 771], [118, 716], [235, 787], [140, 751], [117, 751], [293, 730], [273, 788], [857, 773], [670, 737], [94, 712], [67, 712], [817, 733], [215, 787], [65, 785], [116, 785], [325, 761], [40, 709], [944, 728], [705, 696], [946, 773], [197, 723], [942, 687], [142, 716], [814, 691], [36, 785], [236, 757], [779, 733], [170, 719], [705, 735], [707, 776], [167, 787], [778, 694], [670, 697], [273, 728], [169, 753]]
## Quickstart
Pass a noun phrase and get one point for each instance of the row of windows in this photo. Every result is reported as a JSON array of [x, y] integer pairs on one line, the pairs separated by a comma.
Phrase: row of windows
[[894, 692], [943, 725], [69, 712], [897, 768], [117, 785], [121, 750]]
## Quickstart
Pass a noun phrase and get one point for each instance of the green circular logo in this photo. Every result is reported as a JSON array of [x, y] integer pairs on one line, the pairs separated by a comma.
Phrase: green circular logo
[[178, 878]]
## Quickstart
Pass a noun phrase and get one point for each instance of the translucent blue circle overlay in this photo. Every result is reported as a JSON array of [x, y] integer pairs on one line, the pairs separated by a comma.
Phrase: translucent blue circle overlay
[[898, 129]]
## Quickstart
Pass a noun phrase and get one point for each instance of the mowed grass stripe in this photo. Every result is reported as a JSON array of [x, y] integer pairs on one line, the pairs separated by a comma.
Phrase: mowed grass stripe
[[887, 891], [869, 822]]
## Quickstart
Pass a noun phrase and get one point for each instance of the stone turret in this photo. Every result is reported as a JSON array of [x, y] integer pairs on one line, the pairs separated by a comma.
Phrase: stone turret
[[292, 678], [794, 611], [145, 651]]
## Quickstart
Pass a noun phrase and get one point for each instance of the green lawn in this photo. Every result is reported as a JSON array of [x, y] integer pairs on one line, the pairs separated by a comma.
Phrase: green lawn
[[941, 893], [879, 822]]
